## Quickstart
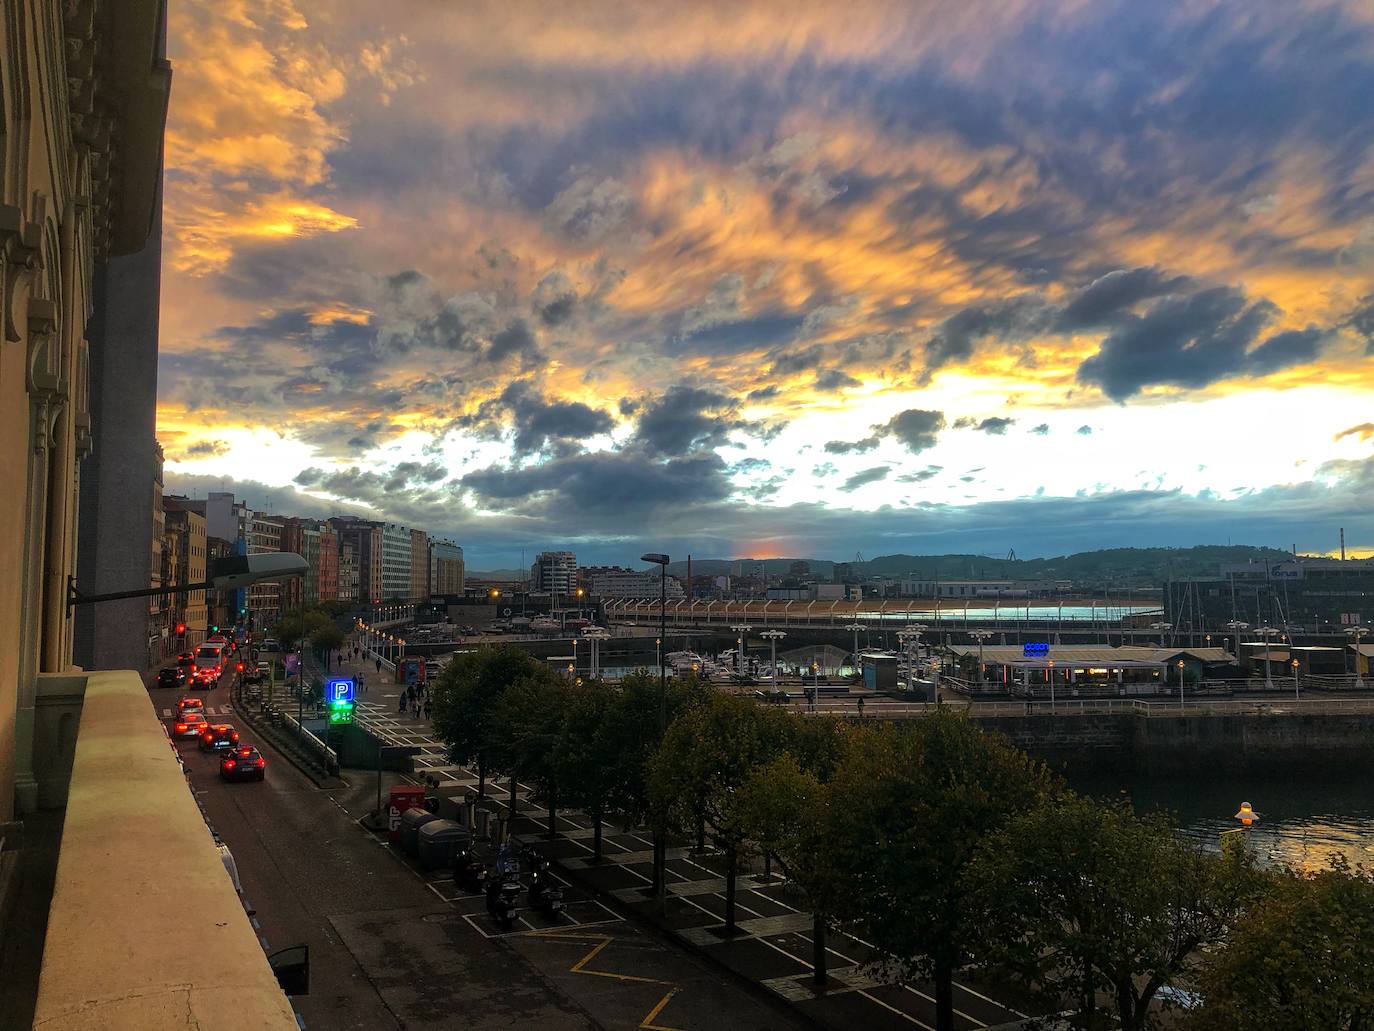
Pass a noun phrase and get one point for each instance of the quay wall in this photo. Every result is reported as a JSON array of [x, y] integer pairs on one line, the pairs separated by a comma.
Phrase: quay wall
[[1285, 743]]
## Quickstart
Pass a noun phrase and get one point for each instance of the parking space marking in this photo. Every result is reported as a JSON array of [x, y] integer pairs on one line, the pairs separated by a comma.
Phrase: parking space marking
[[601, 942]]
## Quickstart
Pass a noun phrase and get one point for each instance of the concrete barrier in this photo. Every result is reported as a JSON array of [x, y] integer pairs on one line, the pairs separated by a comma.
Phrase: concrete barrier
[[117, 957]]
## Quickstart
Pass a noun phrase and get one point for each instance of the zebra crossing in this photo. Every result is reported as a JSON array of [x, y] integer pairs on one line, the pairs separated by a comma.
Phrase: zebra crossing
[[210, 710]]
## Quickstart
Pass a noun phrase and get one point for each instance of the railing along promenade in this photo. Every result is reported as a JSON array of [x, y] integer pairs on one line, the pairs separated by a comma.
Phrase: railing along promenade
[[1155, 707]]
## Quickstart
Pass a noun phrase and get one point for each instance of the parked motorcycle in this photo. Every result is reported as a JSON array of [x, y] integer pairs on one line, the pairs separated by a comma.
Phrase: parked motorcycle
[[503, 893], [545, 893], [470, 871]]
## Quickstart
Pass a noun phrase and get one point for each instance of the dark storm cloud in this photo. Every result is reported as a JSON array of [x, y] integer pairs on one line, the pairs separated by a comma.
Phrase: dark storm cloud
[[1192, 341], [832, 380], [686, 419], [763, 393], [916, 429], [1110, 295], [604, 485], [554, 299], [995, 425], [859, 479], [207, 449], [850, 447], [954, 341], [537, 422], [1361, 320], [1041, 430], [516, 340]]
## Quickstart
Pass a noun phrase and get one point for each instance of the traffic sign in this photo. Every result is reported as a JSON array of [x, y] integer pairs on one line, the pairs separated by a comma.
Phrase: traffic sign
[[339, 696]]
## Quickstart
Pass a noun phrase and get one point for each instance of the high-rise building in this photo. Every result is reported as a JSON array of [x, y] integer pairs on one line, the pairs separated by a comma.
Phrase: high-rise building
[[348, 571], [328, 573], [395, 562], [264, 598], [186, 537], [419, 565], [554, 572], [447, 572], [364, 536]]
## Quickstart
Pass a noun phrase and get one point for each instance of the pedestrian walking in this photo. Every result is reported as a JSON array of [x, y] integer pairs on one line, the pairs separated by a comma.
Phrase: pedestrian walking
[[426, 708], [401, 704], [379, 665], [362, 682]]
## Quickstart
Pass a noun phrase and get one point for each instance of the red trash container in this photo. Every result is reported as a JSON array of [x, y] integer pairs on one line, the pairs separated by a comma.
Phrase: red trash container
[[403, 797]]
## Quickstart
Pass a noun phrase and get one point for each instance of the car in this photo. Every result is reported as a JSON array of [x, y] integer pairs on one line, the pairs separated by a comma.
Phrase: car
[[186, 660], [264, 668], [207, 677], [218, 737], [171, 676], [187, 702], [191, 723], [270, 645], [243, 763]]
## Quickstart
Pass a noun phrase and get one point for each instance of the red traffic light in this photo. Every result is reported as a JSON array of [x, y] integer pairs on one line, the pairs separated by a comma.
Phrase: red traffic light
[[181, 628], [239, 667]]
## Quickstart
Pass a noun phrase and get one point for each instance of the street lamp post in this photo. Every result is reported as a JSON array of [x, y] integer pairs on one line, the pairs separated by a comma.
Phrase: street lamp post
[[773, 637], [660, 842], [1162, 628], [1296, 695], [980, 636], [910, 637], [1264, 632], [741, 629], [855, 628], [1355, 633], [1180, 683]]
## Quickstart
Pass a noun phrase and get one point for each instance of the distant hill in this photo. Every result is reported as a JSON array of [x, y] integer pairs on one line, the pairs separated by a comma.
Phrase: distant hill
[[1113, 565]]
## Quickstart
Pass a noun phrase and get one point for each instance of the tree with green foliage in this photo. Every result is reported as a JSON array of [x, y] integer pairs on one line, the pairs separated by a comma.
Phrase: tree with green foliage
[[783, 809], [528, 719], [1097, 908], [907, 812], [706, 757], [1301, 958], [464, 695], [588, 753], [324, 639]]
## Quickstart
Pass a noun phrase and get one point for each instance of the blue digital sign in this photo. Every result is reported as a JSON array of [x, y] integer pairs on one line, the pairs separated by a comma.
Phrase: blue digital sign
[[339, 692], [1035, 649]]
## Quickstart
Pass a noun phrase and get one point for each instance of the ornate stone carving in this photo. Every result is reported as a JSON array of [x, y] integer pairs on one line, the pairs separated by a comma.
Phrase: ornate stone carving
[[20, 241]]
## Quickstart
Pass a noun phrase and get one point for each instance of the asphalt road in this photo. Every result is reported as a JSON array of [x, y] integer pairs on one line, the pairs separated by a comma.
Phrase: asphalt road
[[391, 948]]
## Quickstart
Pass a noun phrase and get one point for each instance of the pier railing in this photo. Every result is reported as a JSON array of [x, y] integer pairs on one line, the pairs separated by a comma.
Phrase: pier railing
[[1268, 706]]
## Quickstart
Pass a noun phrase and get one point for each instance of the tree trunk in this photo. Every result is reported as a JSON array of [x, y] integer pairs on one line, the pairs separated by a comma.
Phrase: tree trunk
[[512, 797], [701, 835], [1125, 1006], [818, 950], [596, 838], [730, 890], [944, 996], [481, 779], [553, 815]]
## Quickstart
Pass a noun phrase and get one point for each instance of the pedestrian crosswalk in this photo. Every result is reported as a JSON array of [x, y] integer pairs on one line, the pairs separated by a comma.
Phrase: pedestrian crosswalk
[[210, 710]]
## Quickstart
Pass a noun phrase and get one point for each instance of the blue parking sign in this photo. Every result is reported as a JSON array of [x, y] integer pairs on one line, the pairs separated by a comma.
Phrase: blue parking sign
[[340, 692]]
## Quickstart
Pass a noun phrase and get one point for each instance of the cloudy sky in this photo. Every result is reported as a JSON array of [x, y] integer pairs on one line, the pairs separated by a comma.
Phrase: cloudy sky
[[777, 279]]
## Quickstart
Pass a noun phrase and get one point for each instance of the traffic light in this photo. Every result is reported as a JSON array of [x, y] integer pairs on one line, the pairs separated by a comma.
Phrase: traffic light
[[238, 668], [243, 612], [181, 629], [214, 629]]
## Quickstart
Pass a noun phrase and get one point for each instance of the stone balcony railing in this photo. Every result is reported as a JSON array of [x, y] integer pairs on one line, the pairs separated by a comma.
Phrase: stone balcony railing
[[120, 952]]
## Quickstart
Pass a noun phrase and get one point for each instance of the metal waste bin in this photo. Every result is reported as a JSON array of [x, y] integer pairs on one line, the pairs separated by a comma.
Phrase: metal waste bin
[[411, 822], [402, 797], [439, 841]]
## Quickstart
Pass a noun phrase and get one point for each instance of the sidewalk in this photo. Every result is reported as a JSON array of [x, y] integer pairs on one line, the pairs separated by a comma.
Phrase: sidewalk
[[773, 946]]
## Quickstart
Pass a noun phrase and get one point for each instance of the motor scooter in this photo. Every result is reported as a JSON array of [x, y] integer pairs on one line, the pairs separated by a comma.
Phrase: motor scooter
[[503, 893], [545, 893], [470, 871]]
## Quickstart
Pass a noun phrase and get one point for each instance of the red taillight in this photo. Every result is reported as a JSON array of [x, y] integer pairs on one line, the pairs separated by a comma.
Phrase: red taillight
[[229, 764], [181, 728], [262, 762], [234, 736]]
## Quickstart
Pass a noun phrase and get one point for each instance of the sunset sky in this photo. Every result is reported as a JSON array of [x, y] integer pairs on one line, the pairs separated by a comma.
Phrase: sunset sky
[[776, 279]]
